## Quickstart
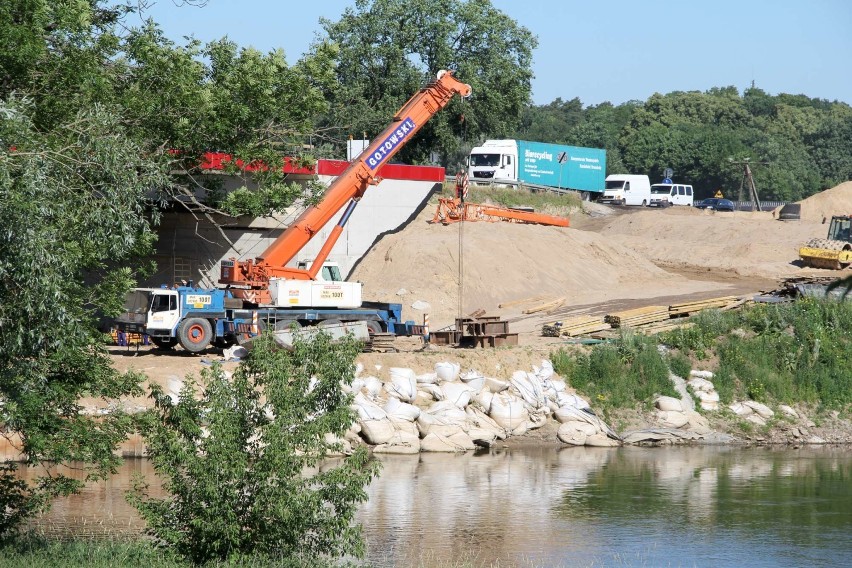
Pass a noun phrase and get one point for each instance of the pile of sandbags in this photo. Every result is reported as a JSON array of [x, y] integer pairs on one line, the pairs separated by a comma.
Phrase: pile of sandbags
[[703, 389], [450, 411]]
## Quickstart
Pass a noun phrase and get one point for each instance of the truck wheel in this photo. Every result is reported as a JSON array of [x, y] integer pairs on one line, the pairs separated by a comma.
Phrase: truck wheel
[[195, 334], [374, 327], [162, 343], [644, 203], [328, 323]]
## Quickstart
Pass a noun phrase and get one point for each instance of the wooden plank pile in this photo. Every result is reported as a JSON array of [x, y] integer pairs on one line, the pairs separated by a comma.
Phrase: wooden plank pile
[[648, 320], [580, 325], [698, 305], [638, 316]]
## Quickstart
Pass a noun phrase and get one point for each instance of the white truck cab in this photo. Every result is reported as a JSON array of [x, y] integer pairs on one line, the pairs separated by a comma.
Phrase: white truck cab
[[495, 160], [668, 194], [330, 270], [627, 189]]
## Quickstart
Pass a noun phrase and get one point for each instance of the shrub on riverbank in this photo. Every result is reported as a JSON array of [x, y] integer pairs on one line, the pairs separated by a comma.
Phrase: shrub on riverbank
[[617, 375], [796, 352]]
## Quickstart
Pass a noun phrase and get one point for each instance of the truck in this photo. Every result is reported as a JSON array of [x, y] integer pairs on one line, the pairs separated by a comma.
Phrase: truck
[[627, 189], [553, 166], [265, 292]]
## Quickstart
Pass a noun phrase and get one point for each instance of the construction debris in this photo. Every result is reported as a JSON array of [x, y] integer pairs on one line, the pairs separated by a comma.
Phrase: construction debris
[[455, 210], [582, 325], [486, 331]]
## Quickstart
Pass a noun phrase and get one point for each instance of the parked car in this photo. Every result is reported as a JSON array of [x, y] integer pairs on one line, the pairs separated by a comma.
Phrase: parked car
[[715, 203]]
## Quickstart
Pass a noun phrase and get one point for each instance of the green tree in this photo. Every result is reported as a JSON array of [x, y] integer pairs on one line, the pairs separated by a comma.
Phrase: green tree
[[73, 223], [389, 48], [241, 459]]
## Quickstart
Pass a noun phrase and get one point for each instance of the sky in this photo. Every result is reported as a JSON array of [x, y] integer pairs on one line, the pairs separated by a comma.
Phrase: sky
[[599, 50]]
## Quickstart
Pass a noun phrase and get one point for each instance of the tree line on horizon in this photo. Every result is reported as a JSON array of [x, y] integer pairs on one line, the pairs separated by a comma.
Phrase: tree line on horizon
[[795, 145]]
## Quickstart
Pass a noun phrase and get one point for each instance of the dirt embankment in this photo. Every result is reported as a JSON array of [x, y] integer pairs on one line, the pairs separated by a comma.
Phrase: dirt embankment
[[611, 259]]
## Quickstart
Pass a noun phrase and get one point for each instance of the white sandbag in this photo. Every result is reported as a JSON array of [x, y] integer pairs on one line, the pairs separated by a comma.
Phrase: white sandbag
[[740, 409], [529, 388], [456, 443], [757, 419], [709, 405], [707, 396], [367, 409], [373, 386], [447, 371], [507, 411], [601, 441], [565, 399], [357, 385], [400, 443], [669, 404], [398, 449], [700, 385], [702, 374], [406, 426], [495, 385], [401, 410], [558, 384], [483, 398], [434, 391], [457, 393], [359, 368], [403, 384], [483, 437], [478, 419], [377, 432], [671, 418], [565, 414], [538, 419], [762, 409], [473, 380], [569, 433], [445, 430], [449, 414], [545, 371], [697, 423], [788, 411], [427, 378], [552, 406]]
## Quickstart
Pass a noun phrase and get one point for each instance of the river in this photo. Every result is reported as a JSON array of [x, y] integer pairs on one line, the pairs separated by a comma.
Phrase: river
[[674, 506]]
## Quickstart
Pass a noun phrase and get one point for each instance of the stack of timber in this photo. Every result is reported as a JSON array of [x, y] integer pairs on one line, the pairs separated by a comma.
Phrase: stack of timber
[[547, 306], [581, 325], [698, 305], [662, 326], [638, 316], [380, 343]]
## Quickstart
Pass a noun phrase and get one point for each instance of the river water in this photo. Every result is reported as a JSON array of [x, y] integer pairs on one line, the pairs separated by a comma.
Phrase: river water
[[676, 506]]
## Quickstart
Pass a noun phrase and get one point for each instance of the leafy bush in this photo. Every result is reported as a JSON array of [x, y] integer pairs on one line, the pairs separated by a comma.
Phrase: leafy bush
[[241, 461], [679, 364]]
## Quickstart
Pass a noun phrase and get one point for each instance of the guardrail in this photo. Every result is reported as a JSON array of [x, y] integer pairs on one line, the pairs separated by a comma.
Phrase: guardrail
[[764, 205]]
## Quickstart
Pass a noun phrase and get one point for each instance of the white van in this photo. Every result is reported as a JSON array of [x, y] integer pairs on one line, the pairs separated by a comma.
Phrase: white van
[[668, 194], [624, 189]]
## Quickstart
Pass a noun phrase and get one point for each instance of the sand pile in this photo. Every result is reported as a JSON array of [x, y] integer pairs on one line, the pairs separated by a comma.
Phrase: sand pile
[[733, 244], [822, 205], [503, 262]]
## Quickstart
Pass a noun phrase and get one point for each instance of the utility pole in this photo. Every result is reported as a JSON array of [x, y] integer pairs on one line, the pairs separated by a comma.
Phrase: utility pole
[[748, 181]]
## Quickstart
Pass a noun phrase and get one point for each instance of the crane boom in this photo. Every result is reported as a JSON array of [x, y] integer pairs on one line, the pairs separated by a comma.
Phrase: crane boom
[[253, 275]]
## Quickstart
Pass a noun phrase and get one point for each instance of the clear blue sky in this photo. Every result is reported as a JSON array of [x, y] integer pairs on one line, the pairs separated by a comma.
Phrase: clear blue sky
[[601, 50]]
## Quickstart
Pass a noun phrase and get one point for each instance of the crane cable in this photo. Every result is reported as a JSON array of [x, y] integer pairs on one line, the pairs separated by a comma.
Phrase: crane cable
[[461, 193]]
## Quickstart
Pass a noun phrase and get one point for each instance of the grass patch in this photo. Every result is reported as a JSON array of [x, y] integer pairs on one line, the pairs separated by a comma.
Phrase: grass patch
[[618, 375]]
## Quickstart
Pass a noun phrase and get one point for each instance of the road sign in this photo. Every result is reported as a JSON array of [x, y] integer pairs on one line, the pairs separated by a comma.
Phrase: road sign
[[668, 173], [562, 157]]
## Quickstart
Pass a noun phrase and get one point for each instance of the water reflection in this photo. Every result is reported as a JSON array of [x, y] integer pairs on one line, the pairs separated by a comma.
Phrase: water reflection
[[707, 506]]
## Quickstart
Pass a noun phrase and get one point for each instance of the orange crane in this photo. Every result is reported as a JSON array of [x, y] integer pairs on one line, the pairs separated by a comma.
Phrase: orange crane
[[250, 279]]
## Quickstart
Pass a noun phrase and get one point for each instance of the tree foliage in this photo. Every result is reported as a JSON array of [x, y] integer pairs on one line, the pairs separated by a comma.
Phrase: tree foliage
[[243, 461], [795, 144], [388, 49], [73, 223]]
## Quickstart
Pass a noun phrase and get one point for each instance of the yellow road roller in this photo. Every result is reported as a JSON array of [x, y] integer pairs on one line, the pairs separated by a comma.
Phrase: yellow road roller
[[834, 251]]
